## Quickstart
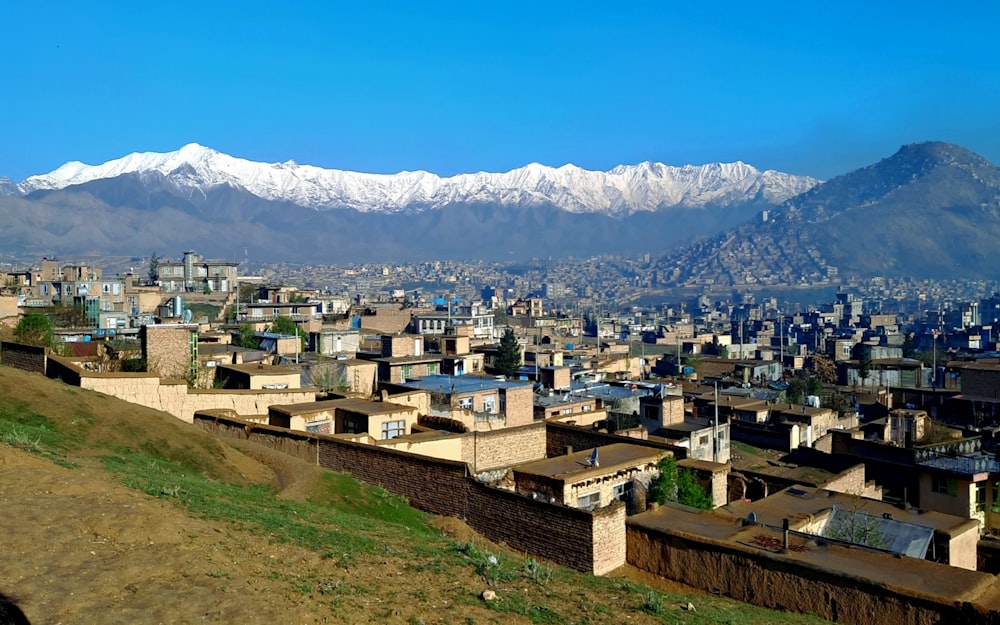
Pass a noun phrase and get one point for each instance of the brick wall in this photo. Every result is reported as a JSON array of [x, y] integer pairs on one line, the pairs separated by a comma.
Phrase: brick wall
[[984, 382], [559, 436], [519, 407], [779, 582], [486, 451], [26, 357]]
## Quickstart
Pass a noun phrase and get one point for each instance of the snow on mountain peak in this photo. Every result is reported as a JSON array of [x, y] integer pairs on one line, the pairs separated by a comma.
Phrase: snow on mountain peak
[[625, 189]]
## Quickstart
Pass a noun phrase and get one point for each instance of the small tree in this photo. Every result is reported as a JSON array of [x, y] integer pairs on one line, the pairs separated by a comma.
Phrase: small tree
[[865, 366], [246, 337], [796, 388], [677, 484], [34, 329], [663, 487], [508, 359], [287, 326], [154, 268], [824, 369], [690, 492]]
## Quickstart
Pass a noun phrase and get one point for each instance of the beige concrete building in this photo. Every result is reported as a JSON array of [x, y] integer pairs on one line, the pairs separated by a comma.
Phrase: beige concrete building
[[379, 420], [589, 479]]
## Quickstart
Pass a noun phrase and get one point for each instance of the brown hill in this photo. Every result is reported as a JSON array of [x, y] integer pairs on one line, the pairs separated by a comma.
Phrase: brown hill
[[113, 513]]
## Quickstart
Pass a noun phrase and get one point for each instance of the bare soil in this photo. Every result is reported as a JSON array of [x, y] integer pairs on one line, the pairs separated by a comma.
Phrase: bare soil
[[80, 547]]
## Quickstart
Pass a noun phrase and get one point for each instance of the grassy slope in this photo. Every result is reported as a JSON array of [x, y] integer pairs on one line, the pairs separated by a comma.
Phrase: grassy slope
[[360, 552]]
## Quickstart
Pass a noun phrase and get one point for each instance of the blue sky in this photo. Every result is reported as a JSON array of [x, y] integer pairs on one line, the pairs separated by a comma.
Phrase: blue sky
[[804, 87]]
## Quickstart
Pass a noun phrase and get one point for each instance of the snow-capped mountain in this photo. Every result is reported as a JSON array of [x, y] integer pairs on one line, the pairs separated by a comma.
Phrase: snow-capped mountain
[[622, 191]]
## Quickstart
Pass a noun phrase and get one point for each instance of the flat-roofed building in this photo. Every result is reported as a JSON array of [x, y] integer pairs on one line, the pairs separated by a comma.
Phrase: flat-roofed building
[[589, 479]]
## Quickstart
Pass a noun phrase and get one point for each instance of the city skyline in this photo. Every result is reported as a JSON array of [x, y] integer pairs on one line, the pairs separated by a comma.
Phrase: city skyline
[[460, 88]]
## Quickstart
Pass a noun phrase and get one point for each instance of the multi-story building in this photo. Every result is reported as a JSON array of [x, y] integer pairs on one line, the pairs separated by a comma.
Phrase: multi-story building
[[194, 273], [475, 317]]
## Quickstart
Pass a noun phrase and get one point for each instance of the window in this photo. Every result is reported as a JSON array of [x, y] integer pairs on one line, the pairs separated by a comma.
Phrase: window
[[981, 497], [490, 404], [407, 371], [392, 429], [432, 368], [703, 440], [995, 507], [45, 289], [589, 502], [622, 492], [944, 485], [465, 403]]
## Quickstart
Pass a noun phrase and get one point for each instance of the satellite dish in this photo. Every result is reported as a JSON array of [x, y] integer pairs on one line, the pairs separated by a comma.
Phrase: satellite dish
[[187, 315], [594, 461]]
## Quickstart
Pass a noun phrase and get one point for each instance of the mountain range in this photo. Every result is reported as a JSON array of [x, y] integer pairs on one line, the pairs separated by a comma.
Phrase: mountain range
[[200, 198], [931, 209]]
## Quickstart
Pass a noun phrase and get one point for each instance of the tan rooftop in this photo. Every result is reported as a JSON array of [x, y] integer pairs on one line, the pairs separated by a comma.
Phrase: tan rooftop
[[576, 465]]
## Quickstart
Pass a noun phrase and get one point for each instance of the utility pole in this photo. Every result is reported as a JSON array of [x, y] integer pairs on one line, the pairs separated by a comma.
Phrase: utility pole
[[715, 426]]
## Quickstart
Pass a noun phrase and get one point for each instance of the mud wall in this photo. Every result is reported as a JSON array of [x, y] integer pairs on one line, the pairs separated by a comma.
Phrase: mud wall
[[593, 542], [775, 582], [225, 424]]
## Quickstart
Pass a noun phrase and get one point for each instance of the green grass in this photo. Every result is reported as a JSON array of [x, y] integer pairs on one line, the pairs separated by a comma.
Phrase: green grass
[[747, 449], [340, 491], [22, 428], [257, 509], [347, 521]]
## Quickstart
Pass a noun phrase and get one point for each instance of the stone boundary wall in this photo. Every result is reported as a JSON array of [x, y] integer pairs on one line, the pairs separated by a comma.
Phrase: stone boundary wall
[[226, 424], [559, 436], [593, 542], [26, 357], [496, 449], [778, 582]]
